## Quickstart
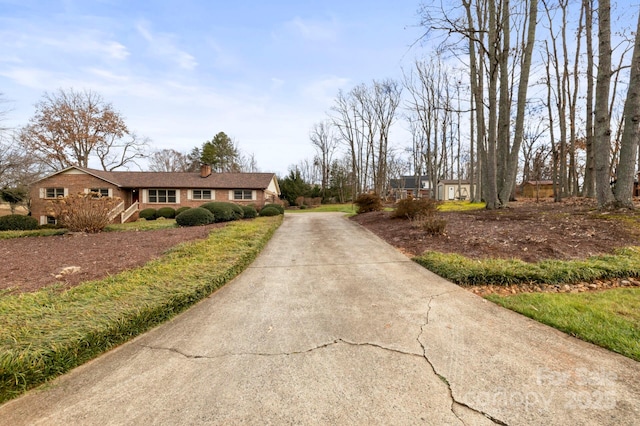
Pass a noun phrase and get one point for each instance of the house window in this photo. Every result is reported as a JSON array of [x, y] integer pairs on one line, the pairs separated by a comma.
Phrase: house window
[[162, 196], [201, 194], [51, 220], [242, 194], [99, 192], [54, 192]]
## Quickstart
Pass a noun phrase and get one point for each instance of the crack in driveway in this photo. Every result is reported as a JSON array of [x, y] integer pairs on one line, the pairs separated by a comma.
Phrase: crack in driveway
[[454, 402], [279, 354], [337, 341]]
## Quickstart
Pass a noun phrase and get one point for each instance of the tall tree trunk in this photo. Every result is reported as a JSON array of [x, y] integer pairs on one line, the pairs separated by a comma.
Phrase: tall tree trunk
[[491, 188], [504, 109], [589, 189], [512, 165], [629, 144], [602, 140]]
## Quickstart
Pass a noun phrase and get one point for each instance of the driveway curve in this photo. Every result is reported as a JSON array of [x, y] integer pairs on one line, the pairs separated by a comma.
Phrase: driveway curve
[[331, 325]]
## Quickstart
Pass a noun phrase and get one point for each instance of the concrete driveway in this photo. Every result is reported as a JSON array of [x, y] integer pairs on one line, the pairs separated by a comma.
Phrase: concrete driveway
[[331, 325]]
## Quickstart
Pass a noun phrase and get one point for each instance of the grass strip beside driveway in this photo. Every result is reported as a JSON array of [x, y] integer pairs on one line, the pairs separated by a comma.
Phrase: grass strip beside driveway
[[463, 270], [610, 318], [46, 333]]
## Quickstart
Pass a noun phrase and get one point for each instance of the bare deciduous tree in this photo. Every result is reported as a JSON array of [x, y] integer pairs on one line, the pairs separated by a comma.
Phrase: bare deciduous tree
[[69, 127], [363, 118], [602, 139], [324, 141], [629, 144], [169, 160]]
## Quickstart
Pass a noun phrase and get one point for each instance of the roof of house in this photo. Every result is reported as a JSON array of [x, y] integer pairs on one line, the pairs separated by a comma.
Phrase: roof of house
[[408, 182], [129, 179], [453, 182]]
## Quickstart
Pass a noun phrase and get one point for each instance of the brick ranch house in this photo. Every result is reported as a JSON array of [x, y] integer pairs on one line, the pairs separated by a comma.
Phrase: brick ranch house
[[140, 190]]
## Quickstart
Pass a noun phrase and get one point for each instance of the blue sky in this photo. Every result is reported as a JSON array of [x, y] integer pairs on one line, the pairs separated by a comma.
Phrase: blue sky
[[181, 71]]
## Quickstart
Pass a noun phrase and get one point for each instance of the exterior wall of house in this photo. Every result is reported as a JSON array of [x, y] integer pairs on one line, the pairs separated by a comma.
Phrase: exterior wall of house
[[73, 182], [184, 197]]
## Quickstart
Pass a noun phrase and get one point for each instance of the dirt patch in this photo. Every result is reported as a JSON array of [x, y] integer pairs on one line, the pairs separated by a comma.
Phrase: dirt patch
[[530, 231], [31, 263]]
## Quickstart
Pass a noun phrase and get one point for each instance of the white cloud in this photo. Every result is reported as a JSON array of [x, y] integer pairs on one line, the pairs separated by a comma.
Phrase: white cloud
[[314, 30], [325, 89], [115, 50], [163, 45], [33, 78]]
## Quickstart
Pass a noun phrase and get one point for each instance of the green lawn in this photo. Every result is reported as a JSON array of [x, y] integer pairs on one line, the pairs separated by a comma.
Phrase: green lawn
[[141, 225], [46, 333], [342, 208], [609, 318], [463, 270]]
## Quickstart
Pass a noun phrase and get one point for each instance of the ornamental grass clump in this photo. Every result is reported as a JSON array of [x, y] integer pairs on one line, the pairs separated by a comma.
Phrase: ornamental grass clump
[[430, 224], [83, 212]]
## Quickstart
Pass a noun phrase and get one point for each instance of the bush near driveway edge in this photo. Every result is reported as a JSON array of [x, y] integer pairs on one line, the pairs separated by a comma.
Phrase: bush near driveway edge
[[47, 333]]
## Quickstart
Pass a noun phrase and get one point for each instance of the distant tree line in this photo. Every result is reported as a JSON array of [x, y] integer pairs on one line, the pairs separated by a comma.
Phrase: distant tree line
[[509, 92]]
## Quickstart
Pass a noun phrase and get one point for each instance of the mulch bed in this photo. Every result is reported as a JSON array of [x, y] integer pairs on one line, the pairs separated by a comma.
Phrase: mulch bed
[[31, 263], [526, 230]]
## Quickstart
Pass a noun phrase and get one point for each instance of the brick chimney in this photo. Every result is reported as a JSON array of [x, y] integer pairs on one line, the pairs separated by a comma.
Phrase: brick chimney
[[205, 170]]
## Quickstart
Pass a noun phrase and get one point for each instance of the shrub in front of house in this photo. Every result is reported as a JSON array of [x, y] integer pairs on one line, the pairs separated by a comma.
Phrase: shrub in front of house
[[237, 211], [250, 212], [166, 212], [270, 211], [369, 203], [223, 212], [182, 209], [278, 207], [411, 208], [194, 217], [82, 212], [148, 214], [17, 222]]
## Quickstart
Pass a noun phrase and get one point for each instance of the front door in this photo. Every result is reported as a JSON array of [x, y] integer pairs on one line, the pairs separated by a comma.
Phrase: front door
[[452, 193]]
